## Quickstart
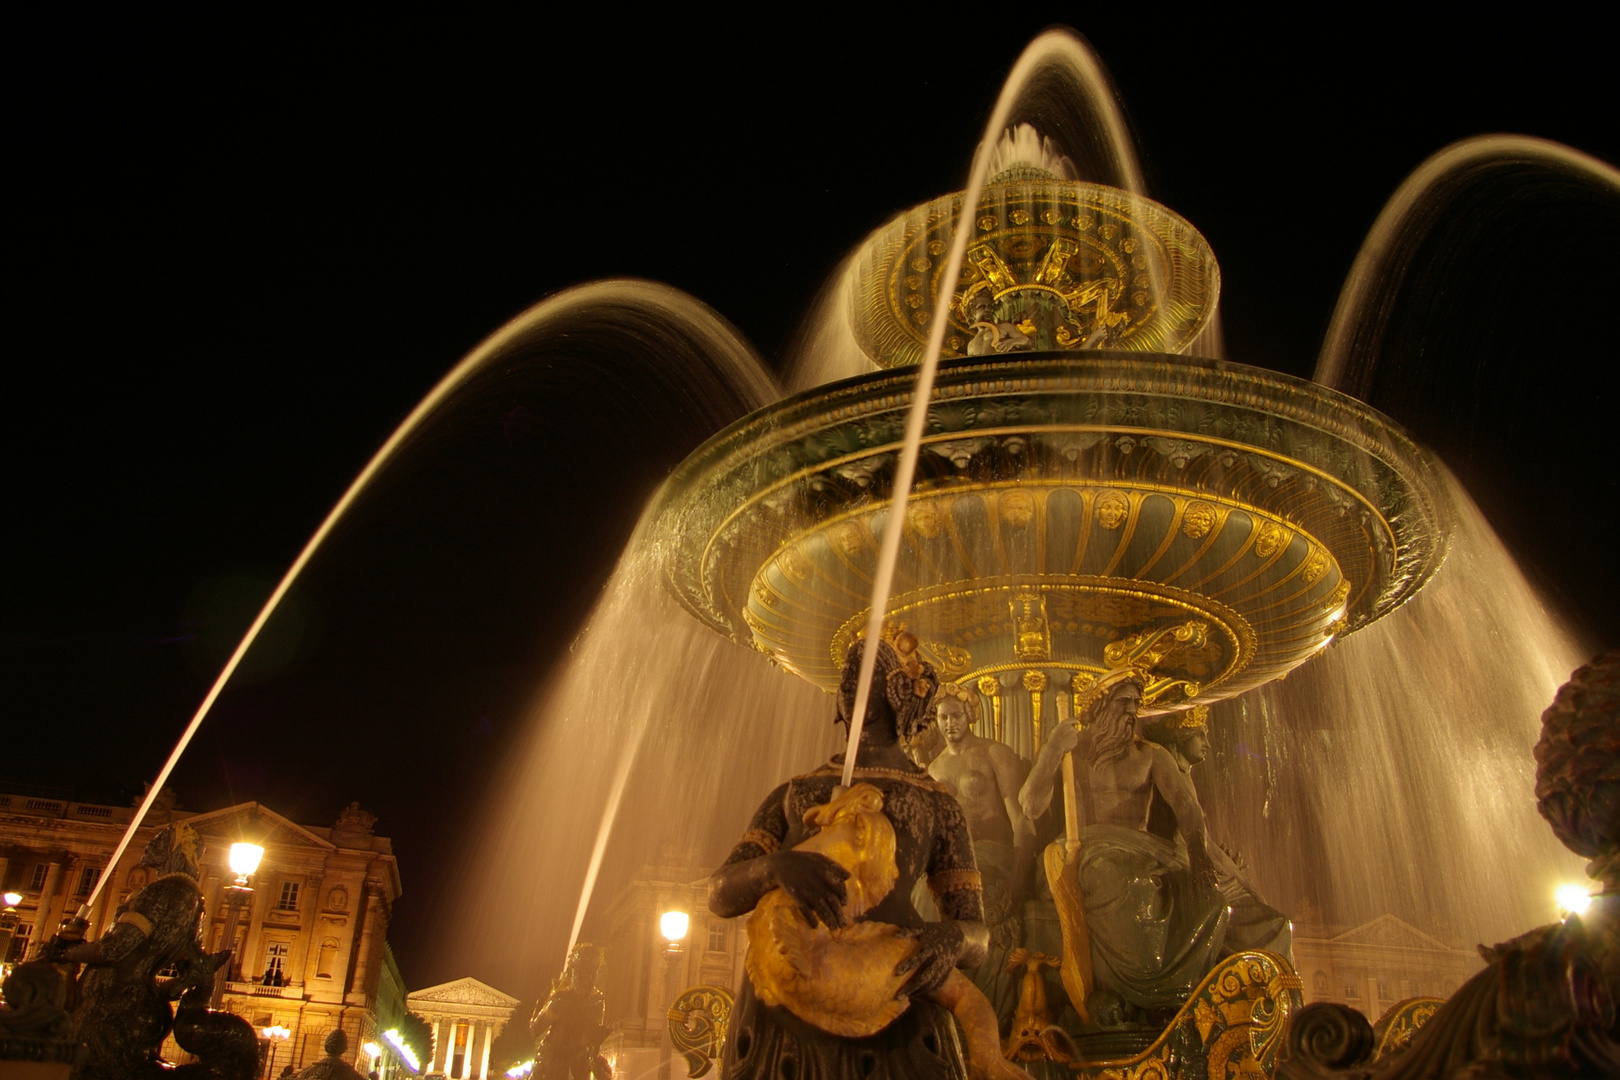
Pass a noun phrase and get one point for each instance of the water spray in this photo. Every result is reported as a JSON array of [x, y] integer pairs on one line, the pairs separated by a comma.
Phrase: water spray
[[1033, 58]]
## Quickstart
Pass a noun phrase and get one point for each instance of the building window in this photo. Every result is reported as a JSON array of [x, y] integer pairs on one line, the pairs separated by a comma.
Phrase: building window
[[717, 936], [20, 936], [288, 900], [1350, 991], [275, 963], [87, 880], [1321, 985], [37, 882], [323, 966]]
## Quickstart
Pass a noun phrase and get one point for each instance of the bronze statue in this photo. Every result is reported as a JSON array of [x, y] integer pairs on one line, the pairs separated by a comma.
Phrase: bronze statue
[[845, 979], [990, 336], [567, 1027], [986, 776], [122, 1012], [1122, 967]]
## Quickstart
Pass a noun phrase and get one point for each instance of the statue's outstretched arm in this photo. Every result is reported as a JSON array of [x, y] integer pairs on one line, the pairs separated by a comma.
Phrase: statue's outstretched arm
[[758, 864], [1036, 794]]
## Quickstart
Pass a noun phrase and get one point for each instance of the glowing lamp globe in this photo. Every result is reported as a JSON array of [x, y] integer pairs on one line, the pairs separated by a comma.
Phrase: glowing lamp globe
[[244, 859], [1573, 899], [674, 924]]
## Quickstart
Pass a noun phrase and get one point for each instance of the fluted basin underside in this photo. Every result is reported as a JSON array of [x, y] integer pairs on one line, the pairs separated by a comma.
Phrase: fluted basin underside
[[1064, 502]]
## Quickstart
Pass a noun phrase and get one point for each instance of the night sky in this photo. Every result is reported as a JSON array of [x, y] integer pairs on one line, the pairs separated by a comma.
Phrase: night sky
[[241, 254]]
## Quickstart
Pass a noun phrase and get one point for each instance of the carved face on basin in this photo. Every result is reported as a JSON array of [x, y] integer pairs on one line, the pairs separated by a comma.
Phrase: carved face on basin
[[1112, 509], [1017, 508], [926, 518]]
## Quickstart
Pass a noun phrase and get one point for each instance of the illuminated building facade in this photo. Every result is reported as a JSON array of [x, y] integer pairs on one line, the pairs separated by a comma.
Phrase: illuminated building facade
[[310, 952], [1372, 966]]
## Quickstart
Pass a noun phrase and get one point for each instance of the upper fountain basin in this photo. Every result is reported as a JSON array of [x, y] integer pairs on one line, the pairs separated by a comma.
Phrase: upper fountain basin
[[1050, 264]]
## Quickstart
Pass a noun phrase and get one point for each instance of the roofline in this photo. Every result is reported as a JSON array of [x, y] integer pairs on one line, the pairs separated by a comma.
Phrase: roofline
[[262, 810], [465, 979]]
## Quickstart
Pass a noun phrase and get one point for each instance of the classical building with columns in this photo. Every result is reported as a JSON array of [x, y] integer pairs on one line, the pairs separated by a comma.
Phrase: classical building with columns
[[310, 952], [466, 1016]]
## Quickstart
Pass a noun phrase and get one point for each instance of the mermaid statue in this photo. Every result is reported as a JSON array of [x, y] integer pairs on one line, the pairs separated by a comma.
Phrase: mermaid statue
[[844, 978]]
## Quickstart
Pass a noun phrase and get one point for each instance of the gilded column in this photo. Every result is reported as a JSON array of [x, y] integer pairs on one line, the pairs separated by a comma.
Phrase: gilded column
[[1035, 683], [990, 687], [1079, 684]]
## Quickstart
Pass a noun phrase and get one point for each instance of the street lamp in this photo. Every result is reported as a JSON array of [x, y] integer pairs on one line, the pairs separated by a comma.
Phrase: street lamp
[[1573, 899], [244, 862], [273, 1034], [8, 928], [372, 1052], [673, 925]]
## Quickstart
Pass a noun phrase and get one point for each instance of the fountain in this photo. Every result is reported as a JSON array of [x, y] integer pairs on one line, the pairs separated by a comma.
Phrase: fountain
[[1089, 481], [1087, 497], [1090, 487]]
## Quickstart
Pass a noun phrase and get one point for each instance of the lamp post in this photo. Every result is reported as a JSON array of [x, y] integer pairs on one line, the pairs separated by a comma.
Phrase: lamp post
[[275, 1034], [673, 925], [8, 929], [244, 861]]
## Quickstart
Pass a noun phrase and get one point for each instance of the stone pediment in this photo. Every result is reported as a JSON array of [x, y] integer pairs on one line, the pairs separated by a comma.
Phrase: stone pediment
[[468, 991], [265, 825], [1388, 932]]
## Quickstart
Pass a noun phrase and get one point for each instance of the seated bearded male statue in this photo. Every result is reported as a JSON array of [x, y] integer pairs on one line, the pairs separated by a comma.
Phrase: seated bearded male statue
[[1156, 921]]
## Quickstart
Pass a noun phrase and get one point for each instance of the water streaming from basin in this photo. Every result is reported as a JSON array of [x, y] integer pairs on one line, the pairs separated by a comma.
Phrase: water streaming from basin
[[657, 337], [1392, 774]]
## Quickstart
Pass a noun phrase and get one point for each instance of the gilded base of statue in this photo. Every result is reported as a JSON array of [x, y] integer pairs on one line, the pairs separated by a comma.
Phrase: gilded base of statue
[[1231, 1026]]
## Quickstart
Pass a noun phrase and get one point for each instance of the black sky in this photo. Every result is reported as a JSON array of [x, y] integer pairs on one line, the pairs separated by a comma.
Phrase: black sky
[[240, 255]]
